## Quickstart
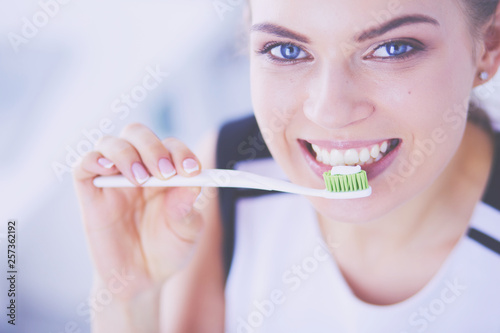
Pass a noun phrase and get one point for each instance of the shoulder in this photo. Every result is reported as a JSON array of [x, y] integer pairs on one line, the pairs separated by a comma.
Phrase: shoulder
[[240, 140], [484, 229], [492, 193], [239, 143]]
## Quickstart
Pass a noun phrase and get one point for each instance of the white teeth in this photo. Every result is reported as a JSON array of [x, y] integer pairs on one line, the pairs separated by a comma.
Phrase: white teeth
[[336, 158], [383, 147], [375, 151], [351, 157], [316, 149], [364, 155], [325, 156]]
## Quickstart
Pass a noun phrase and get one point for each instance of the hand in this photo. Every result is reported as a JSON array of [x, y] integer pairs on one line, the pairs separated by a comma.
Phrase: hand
[[146, 233]]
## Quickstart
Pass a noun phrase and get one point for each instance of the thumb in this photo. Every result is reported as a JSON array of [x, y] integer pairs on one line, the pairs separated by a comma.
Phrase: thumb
[[182, 217]]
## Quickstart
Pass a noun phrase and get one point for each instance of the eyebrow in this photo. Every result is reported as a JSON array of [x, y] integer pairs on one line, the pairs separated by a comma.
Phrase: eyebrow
[[280, 31], [393, 24]]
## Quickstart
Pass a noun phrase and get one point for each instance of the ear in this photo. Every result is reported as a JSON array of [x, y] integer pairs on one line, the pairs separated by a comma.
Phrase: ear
[[489, 60]]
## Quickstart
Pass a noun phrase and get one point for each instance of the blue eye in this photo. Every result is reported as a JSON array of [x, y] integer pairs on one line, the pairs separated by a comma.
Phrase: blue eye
[[288, 52], [392, 50]]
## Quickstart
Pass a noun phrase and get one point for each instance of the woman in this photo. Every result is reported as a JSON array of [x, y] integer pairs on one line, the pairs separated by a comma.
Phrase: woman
[[382, 84]]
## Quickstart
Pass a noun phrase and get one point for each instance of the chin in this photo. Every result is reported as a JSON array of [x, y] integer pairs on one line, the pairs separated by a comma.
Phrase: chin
[[356, 211]]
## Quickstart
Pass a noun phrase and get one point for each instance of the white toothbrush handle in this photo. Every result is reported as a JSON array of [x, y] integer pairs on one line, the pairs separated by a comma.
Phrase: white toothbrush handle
[[231, 178], [207, 178]]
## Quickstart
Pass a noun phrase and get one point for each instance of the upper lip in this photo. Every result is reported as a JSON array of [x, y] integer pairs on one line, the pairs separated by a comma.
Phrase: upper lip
[[341, 145]]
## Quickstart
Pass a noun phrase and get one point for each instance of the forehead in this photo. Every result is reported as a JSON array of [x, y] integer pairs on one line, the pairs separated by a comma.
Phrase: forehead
[[316, 16]]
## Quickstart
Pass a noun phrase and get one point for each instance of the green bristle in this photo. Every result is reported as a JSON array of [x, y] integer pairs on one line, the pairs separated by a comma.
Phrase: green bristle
[[346, 183]]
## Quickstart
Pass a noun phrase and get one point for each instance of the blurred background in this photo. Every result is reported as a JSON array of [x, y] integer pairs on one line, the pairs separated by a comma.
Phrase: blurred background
[[72, 70], [81, 68]]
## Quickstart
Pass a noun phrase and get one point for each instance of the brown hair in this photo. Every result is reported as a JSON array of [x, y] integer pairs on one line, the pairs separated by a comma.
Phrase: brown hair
[[479, 12]]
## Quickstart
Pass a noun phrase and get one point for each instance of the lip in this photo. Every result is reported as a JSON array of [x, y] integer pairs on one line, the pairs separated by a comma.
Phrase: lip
[[372, 170]]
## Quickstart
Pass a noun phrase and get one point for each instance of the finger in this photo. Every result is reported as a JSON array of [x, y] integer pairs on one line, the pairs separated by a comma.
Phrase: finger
[[181, 216], [171, 226], [93, 164], [154, 154], [185, 161], [125, 157]]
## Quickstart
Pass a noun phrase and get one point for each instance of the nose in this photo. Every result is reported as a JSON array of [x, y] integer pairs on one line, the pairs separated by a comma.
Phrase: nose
[[335, 100]]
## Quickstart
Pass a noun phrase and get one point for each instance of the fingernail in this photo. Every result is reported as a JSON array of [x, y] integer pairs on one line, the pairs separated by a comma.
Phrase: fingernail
[[190, 165], [105, 163], [140, 173], [166, 168]]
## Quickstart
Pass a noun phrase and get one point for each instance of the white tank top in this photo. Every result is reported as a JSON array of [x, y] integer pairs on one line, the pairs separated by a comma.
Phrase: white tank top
[[282, 278]]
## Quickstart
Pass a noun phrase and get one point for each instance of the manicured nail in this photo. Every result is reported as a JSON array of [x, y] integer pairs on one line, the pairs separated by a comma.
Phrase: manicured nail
[[190, 165], [140, 173], [105, 163], [166, 168]]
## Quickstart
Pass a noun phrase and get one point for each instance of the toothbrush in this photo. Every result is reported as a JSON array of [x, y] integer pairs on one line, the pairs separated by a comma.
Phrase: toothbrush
[[234, 178]]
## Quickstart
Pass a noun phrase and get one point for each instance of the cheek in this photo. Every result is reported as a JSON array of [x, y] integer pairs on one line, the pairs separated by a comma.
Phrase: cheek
[[431, 99], [276, 102], [430, 110], [273, 89]]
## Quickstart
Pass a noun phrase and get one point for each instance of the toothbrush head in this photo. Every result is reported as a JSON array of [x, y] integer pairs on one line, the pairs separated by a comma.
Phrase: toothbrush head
[[346, 179]]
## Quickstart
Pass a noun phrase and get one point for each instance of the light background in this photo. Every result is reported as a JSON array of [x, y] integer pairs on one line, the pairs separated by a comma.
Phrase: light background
[[63, 81]]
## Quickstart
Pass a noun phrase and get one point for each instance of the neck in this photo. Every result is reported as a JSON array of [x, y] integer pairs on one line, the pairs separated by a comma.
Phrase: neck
[[438, 216]]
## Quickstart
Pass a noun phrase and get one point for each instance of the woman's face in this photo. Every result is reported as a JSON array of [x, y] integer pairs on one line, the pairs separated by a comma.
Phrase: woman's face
[[383, 84]]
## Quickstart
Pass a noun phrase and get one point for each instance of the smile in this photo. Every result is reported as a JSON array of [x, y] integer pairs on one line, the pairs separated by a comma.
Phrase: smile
[[372, 156], [360, 156]]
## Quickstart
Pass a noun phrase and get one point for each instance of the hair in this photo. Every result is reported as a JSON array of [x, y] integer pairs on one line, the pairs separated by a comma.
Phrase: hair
[[479, 13]]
